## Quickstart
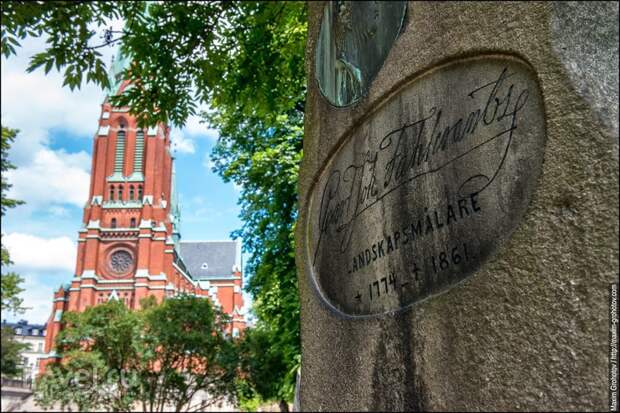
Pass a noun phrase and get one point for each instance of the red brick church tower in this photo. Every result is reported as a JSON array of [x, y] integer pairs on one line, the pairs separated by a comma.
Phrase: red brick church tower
[[129, 245]]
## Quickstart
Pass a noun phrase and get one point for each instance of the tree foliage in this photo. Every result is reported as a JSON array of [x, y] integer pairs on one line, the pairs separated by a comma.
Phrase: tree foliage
[[258, 111], [11, 302], [246, 61], [8, 136], [161, 357], [11, 353], [174, 44], [11, 281], [11, 286]]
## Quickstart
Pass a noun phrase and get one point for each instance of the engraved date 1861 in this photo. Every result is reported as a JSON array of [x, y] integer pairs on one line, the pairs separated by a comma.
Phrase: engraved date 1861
[[436, 263]]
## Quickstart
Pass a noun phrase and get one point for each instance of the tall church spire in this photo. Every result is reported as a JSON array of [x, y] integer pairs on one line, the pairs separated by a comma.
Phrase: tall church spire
[[119, 63], [129, 245]]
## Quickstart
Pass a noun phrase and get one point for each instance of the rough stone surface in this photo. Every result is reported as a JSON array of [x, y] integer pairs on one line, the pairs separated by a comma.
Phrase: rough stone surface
[[428, 186], [529, 329], [578, 32]]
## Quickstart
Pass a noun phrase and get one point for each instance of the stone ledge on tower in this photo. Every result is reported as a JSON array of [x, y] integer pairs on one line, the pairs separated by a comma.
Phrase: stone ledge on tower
[[160, 227], [86, 274], [146, 224], [144, 273], [93, 224], [125, 233], [136, 177], [119, 177], [122, 204], [103, 130], [124, 109]]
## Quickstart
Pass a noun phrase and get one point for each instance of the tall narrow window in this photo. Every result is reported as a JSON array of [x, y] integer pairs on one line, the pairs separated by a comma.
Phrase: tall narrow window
[[132, 223], [113, 223], [140, 192], [111, 192], [139, 154], [131, 193], [120, 192], [120, 152]]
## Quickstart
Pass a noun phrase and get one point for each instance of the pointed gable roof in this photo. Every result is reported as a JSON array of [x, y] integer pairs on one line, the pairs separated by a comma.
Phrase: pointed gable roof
[[113, 296], [211, 259]]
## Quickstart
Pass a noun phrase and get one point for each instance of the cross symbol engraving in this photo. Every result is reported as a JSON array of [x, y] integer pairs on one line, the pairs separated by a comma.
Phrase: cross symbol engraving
[[358, 296]]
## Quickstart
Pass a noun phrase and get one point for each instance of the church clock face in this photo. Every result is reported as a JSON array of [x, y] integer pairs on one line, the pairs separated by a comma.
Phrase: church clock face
[[120, 262]]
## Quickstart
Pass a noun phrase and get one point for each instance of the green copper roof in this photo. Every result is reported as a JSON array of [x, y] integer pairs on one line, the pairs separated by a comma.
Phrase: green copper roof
[[175, 209], [115, 75], [119, 64]]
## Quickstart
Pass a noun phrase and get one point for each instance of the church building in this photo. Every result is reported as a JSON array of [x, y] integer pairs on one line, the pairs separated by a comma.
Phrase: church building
[[129, 245]]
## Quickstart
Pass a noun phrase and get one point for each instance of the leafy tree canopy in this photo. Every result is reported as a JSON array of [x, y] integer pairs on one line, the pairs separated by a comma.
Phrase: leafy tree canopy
[[8, 136], [11, 302], [246, 61], [161, 357], [11, 353]]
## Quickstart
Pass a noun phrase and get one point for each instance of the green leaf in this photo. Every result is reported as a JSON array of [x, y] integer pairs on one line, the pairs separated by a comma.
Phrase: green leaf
[[48, 66]]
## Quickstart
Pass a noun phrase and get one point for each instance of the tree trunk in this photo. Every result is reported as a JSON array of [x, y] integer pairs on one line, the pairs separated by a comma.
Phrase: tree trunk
[[283, 406]]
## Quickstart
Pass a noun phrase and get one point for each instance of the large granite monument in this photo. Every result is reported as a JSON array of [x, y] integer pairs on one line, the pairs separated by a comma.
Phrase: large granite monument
[[458, 228]]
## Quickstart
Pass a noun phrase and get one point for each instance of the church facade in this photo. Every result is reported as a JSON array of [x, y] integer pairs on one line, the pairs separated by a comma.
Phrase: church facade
[[129, 245]]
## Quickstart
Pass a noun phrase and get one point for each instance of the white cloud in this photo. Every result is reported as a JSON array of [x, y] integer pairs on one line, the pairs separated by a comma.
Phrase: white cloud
[[183, 139], [38, 300], [38, 295], [181, 144], [33, 252], [194, 127], [59, 211], [52, 177], [34, 102]]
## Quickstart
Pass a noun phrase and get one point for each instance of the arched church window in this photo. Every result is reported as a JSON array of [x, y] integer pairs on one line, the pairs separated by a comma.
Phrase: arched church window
[[131, 193], [120, 151], [120, 192], [139, 153], [140, 192], [132, 223], [111, 192], [113, 223]]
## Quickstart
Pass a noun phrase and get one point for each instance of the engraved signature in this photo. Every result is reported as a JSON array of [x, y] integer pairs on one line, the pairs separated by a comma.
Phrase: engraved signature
[[422, 147]]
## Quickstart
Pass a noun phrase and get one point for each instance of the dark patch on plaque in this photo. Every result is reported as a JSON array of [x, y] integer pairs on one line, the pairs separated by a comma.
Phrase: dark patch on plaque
[[428, 186], [354, 40]]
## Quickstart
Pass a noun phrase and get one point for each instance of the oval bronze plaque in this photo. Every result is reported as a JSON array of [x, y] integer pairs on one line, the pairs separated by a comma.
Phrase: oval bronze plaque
[[355, 39], [426, 188]]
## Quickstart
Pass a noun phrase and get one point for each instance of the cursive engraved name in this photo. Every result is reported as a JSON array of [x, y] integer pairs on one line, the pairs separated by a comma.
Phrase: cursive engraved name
[[419, 148]]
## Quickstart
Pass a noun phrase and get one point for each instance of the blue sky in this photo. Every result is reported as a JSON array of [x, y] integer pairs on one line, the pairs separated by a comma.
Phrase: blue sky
[[53, 155]]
